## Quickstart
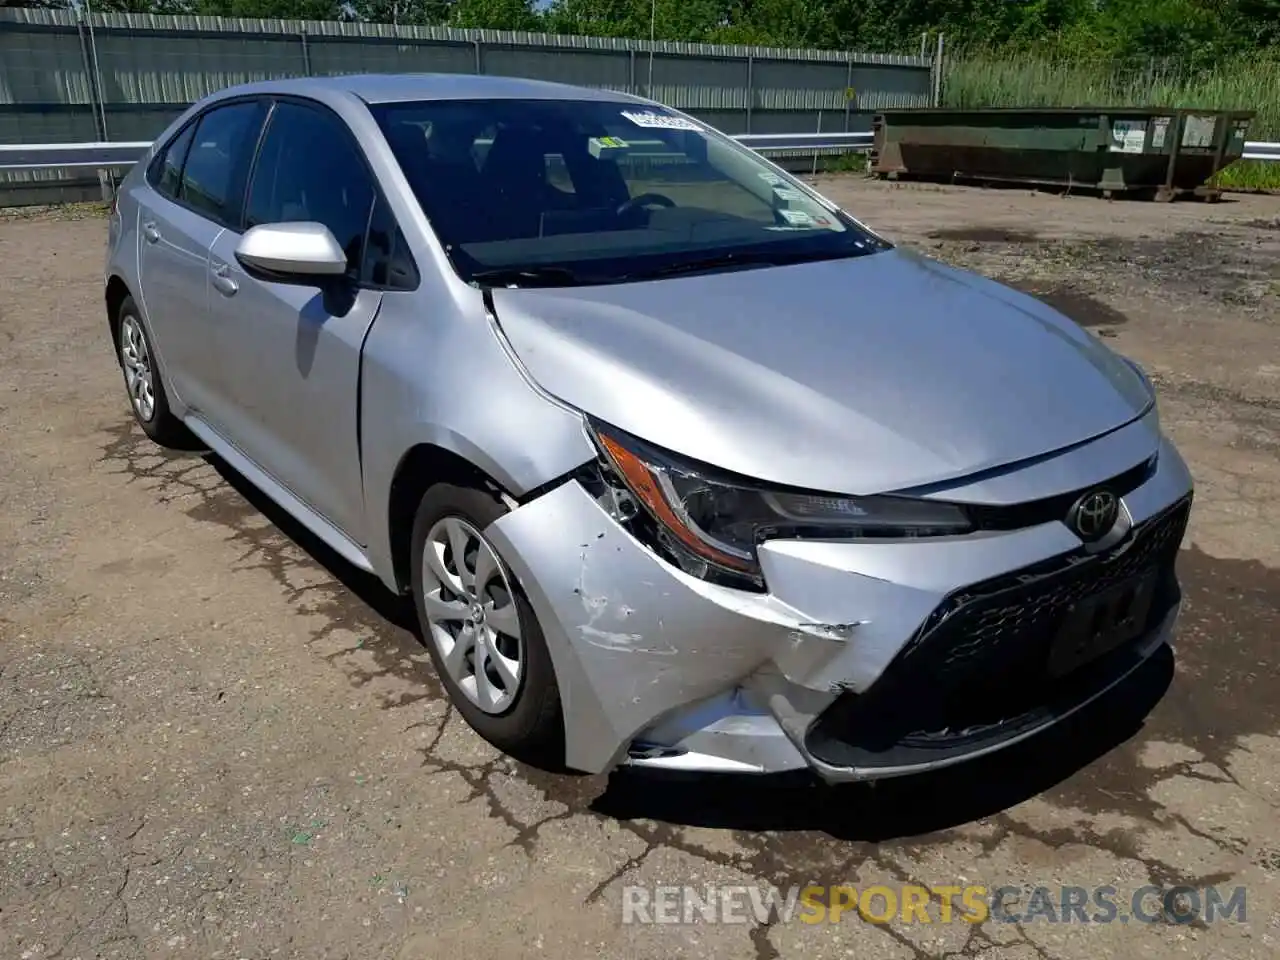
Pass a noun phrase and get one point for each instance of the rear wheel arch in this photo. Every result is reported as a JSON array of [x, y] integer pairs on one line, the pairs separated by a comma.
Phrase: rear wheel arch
[[136, 355], [116, 293]]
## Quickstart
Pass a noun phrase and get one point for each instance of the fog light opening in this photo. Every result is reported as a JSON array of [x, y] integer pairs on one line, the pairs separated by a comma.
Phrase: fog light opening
[[641, 750]]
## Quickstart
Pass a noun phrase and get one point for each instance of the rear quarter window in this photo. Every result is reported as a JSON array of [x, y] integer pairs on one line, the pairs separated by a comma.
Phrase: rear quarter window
[[166, 170]]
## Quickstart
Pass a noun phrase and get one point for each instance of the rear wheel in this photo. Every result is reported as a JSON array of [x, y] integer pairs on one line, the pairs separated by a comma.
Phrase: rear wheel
[[147, 398], [480, 629]]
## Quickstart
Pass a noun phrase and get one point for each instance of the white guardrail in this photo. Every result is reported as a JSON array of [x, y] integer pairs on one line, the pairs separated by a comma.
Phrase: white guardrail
[[1261, 151], [104, 156]]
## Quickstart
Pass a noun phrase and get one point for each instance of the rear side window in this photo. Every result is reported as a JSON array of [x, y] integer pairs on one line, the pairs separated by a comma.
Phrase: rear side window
[[218, 160], [166, 173], [309, 168]]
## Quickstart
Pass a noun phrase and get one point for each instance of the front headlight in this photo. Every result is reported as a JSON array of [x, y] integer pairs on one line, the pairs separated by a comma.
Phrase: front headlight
[[711, 523]]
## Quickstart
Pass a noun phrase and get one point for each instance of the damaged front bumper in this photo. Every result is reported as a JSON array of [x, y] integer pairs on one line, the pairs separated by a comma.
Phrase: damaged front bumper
[[660, 668]]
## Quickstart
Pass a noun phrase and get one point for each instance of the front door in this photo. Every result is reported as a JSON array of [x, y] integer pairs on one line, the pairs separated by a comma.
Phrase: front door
[[291, 352]]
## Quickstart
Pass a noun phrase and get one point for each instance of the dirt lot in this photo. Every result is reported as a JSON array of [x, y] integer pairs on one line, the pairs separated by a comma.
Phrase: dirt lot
[[218, 742]]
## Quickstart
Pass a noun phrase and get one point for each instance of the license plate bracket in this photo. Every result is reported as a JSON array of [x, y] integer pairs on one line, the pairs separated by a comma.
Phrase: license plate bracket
[[1101, 623]]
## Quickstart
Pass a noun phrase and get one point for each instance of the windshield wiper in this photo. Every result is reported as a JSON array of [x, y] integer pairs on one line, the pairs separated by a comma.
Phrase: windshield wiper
[[760, 258], [527, 277]]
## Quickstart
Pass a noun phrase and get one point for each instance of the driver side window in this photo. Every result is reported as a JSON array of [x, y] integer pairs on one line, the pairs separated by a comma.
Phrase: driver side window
[[309, 168]]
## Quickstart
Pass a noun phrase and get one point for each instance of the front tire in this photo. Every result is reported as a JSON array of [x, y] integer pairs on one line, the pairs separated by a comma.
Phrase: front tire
[[479, 628], [147, 398]]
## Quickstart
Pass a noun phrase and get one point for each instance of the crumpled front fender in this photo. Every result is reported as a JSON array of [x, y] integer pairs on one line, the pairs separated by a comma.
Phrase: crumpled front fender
[[631, 636]]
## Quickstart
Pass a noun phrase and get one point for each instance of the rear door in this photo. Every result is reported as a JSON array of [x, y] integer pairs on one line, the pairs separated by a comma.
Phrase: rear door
[[195, 186], [291, 351]]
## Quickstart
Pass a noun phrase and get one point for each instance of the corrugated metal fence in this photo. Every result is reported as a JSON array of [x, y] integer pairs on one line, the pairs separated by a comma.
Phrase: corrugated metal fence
[[66, 77]]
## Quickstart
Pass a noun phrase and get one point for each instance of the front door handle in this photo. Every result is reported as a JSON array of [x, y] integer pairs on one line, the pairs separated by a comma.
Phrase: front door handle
[[222, 280], [150, 232]]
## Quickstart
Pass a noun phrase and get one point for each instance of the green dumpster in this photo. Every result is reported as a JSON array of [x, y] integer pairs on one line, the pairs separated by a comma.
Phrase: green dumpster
[[1146, 151]]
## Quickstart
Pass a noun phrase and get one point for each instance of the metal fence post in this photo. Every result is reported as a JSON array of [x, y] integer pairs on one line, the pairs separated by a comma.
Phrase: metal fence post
[[937, 74], [89, 54], [848, 89], [96, 77], [98, 131], [815, 149], [306, 50], [751, 88], [479, 57]]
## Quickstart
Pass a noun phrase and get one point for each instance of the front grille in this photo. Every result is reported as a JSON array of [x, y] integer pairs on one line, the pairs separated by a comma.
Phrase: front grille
[[994, 620], [980, 662]]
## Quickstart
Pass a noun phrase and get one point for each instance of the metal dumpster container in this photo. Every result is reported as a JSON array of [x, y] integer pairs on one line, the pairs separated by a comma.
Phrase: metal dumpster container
[[1152, 151]]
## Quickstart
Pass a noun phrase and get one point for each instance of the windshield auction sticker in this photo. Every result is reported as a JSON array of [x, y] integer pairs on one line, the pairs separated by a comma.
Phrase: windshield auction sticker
[[659, 121], [597, 145], [797, 218]]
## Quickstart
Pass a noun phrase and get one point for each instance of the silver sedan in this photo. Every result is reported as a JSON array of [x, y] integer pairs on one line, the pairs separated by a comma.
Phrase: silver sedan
[[682, 465]]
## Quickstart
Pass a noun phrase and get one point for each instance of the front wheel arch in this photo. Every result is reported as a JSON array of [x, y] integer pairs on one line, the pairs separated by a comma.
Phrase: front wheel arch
[[422, 467]]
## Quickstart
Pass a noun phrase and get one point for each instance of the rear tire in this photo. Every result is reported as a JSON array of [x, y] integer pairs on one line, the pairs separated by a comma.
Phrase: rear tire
[[479, 628], [147, 399]]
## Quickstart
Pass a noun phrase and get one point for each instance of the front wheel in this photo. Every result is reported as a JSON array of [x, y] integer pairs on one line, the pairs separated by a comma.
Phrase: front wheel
[[480, 629], [147, 398]]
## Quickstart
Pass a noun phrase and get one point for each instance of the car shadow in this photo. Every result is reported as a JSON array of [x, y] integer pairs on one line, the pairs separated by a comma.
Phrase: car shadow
[[396, 610]]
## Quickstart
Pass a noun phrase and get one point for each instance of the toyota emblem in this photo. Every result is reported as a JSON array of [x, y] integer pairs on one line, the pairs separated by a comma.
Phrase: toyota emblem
[[1094, 515]]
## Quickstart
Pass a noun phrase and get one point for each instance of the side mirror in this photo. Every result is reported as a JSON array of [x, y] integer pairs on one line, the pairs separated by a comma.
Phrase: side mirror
[[298, 251]]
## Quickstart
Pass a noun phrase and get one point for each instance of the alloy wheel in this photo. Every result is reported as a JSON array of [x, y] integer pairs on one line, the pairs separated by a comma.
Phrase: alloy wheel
[[135, 357], [471, 614]]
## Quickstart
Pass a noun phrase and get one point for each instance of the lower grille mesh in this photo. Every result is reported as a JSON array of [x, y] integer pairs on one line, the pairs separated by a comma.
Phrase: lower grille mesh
[[981, 660]]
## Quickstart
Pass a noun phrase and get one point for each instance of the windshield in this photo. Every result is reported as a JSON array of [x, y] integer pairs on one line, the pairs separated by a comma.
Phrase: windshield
[[557, 192]]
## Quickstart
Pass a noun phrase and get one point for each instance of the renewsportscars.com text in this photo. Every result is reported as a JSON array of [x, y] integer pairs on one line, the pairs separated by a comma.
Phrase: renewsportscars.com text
[[969, 903]]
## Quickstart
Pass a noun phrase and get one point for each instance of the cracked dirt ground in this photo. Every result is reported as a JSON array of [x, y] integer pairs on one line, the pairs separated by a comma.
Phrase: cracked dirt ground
[[218, 742]]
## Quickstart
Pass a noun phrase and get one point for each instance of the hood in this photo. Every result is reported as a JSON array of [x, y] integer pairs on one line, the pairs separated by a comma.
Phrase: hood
[[854, 376]]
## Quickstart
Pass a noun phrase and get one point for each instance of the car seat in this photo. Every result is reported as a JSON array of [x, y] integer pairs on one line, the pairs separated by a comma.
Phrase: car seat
[[447, 186], [515, 179]]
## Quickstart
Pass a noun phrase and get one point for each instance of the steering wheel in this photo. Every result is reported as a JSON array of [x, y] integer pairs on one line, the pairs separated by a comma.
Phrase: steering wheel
[[645, 200]]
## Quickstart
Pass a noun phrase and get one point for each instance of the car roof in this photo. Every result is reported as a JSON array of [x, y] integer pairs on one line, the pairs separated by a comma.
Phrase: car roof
[[394, 87]]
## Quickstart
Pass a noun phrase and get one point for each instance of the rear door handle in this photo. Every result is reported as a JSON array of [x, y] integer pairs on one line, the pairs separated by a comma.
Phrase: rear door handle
[[222, 280], [150, 232]]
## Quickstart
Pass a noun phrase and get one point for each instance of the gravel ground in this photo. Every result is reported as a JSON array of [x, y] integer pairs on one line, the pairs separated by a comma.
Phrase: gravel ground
[[216, 741]]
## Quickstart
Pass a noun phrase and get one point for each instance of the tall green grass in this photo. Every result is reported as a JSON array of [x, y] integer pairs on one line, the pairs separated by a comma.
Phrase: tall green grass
[[982, 79]]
